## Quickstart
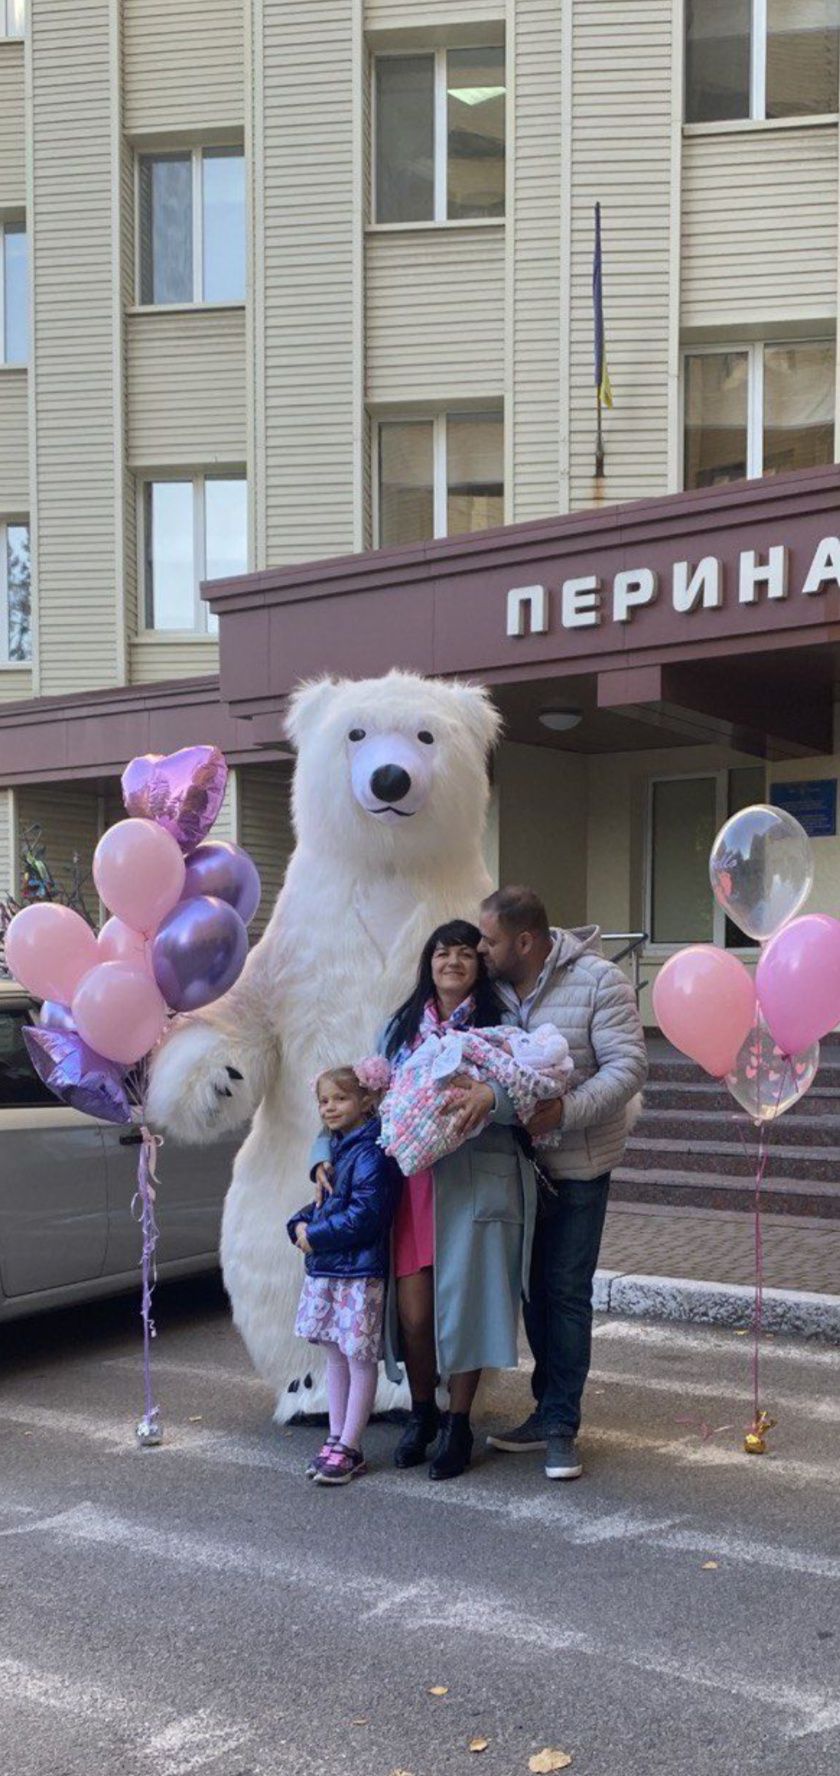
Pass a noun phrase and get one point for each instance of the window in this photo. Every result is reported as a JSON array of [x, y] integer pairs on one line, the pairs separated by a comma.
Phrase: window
[[15, 594], [20, 1087], [440, 136], [439, 477], [193, 530], [761, 59], [12, 16], [685, 815], [192, 226], [14, 294], [758, 410]]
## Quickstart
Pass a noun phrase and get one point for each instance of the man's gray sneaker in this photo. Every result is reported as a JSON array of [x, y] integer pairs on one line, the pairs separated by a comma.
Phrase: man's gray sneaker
[[562, 1461], [520, 1439]]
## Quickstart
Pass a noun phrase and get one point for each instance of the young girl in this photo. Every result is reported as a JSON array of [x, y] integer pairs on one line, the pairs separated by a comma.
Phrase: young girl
[[346, 1240]]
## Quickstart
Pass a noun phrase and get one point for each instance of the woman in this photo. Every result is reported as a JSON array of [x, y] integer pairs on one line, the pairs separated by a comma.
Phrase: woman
[[463, 1231]]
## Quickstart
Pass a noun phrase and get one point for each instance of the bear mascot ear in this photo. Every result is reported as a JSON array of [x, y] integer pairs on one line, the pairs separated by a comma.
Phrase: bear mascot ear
[[306, 705], [478, 712]]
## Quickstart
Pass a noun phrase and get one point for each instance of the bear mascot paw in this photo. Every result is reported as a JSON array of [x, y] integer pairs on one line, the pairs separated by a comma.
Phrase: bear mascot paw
[[389, 802]]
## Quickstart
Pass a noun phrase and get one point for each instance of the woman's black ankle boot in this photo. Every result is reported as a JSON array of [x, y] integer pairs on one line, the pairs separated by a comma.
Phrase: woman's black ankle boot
[[454, 1448], [421, 1430]]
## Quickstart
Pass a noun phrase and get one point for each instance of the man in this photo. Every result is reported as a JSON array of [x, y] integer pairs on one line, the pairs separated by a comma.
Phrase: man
[[560, 977]]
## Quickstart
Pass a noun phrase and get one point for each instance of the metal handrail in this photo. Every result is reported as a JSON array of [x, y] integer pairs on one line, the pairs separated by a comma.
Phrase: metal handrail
[[634, 943]]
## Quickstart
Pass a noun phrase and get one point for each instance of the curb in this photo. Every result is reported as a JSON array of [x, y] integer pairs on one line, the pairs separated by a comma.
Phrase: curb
[[798, 1312]]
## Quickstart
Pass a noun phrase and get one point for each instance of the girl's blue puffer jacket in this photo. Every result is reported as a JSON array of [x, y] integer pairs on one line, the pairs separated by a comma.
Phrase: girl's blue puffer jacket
[[350, 1234]]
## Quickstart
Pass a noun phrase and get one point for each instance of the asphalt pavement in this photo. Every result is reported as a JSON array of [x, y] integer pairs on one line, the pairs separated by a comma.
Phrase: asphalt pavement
[[202, 1610]]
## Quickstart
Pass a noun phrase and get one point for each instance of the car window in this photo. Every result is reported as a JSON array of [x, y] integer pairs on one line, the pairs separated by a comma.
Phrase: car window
[[20, 1087]]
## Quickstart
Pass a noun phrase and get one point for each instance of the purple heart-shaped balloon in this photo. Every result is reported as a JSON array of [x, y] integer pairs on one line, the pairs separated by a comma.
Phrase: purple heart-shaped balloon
[[182, 792]]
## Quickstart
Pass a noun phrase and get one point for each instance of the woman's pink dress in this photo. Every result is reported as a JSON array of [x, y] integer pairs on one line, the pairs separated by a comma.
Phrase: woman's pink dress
[[414, 1226]]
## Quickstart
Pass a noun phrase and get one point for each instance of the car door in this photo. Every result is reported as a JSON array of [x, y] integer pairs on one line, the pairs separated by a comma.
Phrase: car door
[[53, 1183], [192, 1182]]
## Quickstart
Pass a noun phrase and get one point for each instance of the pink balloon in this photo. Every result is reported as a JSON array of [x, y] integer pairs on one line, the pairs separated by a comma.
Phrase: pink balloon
[[798, 981], [119, 1012], [48, 949], [704, 1001], [118, 943], [139, 872]]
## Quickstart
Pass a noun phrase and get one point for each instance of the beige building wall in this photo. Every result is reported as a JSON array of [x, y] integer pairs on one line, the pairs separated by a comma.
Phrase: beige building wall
[[8, 844], [183, 66], [542, 826], [537, 261], [14, 442], [12, 127], [265, 829], [435, 314]]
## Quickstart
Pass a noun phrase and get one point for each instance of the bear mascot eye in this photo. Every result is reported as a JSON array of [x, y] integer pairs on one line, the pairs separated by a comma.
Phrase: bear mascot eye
[[356, 734], [427, 738]]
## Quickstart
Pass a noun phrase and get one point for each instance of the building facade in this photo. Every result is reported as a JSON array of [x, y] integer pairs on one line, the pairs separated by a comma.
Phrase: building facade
[[281, 283]]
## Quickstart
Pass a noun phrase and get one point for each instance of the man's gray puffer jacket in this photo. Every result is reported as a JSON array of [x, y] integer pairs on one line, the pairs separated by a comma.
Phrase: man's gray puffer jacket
[[592, 1004]]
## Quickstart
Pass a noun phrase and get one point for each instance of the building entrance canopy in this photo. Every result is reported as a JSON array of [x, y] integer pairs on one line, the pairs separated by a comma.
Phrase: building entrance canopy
[[703, 616]]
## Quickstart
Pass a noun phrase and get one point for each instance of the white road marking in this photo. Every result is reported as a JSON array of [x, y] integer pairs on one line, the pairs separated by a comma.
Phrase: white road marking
[[676, 1337], [209, 1372], [191, 1743], [805, 1712], [561, 1512], [723, 1391]]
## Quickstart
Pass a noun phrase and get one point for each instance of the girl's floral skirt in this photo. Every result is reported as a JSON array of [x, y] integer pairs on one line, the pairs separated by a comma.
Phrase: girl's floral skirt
[[347, 1311]]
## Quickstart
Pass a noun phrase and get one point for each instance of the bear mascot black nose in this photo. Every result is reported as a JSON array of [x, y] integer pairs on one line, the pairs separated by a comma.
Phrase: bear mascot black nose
[[390, 783]]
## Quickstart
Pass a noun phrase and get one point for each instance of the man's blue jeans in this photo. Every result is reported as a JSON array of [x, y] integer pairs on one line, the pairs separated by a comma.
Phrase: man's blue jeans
[[558, 1316]]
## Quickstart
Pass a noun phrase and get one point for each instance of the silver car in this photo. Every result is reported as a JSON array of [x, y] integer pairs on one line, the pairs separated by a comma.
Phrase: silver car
[[66, 1185]]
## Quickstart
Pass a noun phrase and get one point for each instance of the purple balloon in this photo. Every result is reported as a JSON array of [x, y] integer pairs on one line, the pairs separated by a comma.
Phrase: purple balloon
[[53, 1016], [227, 872], [199, 952], [182, 793], [77, 1075]]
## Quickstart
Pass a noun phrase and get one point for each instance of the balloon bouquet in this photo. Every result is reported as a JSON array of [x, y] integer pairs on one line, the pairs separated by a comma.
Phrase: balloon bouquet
[[759, 1035], [176, 940]]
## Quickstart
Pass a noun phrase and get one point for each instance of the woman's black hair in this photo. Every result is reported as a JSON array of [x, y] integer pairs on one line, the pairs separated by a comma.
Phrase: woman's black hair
[[405, 1022]]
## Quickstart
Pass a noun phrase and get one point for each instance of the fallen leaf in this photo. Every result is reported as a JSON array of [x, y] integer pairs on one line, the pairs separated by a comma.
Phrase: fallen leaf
[[363, 1720], [549, 1760], [741, 1332], [710, 1566], [438, 1690], [199, 1419], [479, 1744]]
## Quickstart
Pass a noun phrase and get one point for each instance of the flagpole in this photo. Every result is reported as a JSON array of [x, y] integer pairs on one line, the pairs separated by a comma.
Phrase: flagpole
[[599, 438]]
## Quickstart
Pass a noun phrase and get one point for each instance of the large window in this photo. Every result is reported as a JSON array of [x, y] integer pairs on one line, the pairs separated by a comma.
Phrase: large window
[[12, 18], [192, 226], [15, 594], [440, 136], [685, 815], [14, 294], [439, 477], [193, 530], [761, 58], [757, 410]]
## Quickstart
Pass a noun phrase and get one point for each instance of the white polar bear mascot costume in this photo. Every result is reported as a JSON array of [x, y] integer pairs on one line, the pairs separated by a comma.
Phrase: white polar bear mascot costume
[[390, 800]]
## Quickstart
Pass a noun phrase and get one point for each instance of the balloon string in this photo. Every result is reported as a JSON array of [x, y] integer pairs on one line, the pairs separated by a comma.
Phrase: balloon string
[[758, 1239], [143, 1209]]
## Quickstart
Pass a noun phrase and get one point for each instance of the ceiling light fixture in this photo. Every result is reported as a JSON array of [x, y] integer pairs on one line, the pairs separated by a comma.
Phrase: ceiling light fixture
[[561, 720]]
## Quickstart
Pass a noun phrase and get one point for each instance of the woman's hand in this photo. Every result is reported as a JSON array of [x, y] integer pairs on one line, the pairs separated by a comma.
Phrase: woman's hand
[[475, 1102], [301, 1240], [323, 1183], [547, 1117]]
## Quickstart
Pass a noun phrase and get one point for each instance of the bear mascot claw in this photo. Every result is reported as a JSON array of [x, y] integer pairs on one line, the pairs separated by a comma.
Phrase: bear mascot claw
[[390, 799]]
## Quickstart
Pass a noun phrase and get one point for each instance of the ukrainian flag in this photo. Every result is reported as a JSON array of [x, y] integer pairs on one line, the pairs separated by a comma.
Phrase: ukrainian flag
[[602, 375]]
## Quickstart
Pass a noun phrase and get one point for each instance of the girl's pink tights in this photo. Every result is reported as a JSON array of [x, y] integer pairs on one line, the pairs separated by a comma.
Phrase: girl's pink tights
[[351, 1388]]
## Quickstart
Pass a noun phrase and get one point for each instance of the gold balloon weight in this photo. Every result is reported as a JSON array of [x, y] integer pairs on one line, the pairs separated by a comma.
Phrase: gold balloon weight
[[755, 1441]]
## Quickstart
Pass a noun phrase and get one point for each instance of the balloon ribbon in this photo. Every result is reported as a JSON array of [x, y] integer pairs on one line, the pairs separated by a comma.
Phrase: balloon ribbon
[[149, 1432]]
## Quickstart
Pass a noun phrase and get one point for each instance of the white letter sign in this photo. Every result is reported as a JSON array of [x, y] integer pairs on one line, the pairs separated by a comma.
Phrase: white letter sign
[[638, 586], [703, 586], [752, 574], [527, 611], [825, 566], [582, 603]]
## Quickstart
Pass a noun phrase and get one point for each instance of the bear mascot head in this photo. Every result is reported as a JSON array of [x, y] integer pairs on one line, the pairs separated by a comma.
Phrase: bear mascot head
[[390, 800]]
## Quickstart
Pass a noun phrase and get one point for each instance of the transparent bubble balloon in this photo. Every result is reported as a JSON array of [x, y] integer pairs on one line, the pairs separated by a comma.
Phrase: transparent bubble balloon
[[761, 869], [764, 1081]]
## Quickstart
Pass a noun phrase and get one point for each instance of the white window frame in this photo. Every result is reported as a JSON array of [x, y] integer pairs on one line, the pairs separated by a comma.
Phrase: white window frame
[[758, 83], [440, 112], [5, 23], [6, 664], [754, 351], [201, 610], [720, 777], [198, 299], [16, 226], [440, 470]]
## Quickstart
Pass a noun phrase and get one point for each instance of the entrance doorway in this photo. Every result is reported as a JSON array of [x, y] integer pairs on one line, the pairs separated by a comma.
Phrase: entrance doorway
[[684, 814]]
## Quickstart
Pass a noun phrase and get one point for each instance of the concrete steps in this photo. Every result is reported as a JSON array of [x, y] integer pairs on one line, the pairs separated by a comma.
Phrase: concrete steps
[[693, 1147]]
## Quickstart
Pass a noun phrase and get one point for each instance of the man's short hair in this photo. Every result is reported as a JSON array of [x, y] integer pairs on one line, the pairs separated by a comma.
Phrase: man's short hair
[[518, 909]]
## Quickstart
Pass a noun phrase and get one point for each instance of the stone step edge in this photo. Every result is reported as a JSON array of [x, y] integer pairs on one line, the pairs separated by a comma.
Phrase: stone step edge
[[653, 1115], [797, 1312], [725, 1181], [729, 1149]]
